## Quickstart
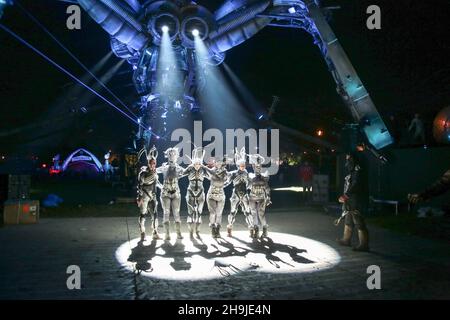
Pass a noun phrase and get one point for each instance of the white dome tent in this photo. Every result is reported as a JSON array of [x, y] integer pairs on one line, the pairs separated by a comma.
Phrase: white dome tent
[[82, 161]]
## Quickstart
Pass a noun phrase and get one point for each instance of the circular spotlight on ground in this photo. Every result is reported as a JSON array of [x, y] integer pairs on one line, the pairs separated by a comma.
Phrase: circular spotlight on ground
[[208, 258]]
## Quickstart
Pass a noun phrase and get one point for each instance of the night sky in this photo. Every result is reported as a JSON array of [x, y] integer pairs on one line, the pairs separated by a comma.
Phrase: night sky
[[405, 67]]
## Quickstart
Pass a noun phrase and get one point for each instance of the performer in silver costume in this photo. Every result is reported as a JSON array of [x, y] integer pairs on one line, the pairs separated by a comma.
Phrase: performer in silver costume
[[259, 196], [239, 198], [215, 198], [195, 195], [170, 192], [146, 192]]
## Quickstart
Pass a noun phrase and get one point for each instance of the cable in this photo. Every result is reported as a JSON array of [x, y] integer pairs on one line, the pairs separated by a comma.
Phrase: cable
[[36, 21]]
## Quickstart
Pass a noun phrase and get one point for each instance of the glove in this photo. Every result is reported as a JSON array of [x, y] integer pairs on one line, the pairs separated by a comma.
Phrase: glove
[[343, 199]]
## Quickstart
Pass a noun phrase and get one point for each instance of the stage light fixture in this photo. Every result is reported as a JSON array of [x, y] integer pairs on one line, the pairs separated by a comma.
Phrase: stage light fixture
[[195, 32], [165, 28]]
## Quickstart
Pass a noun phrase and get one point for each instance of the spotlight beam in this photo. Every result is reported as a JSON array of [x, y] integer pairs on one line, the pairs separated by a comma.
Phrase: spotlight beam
[[216, 94], [92, 74], [169, 79], [65, 71]]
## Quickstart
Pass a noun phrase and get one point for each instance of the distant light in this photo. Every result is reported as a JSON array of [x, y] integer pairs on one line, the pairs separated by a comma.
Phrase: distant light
[[260, 117], [165, 29], [292, 10], [157, 137], [195, 32], [319, 132], [293, 189], [425, 146], [135, 67], [139, 120], [44, 165], [177, 104]]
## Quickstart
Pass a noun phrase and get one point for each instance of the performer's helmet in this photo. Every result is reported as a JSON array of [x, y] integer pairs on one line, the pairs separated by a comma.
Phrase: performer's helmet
[[240, 157], [197, 156], [172, 154], [257, 161]]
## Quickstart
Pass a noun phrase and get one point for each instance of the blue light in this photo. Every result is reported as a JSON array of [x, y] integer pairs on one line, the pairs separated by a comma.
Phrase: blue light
[[292, 10], [260, 117]]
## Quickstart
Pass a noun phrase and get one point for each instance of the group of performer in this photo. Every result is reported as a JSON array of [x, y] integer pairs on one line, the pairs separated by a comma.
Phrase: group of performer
[[251, 192], [251, 195]]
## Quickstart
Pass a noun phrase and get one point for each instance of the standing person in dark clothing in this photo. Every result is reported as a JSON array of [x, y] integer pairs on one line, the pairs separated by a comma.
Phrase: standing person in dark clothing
[[306, 176], [351, 206], [439, 187]]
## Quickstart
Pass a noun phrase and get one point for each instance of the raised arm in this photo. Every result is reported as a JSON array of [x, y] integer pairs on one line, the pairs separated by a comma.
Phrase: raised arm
[[436, 189]]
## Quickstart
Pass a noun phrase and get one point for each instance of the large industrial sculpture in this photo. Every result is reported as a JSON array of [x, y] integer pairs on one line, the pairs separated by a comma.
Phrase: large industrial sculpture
[[137, 27]]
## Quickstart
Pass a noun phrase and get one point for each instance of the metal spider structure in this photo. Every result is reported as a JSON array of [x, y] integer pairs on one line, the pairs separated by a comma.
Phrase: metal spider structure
[[137, 27]]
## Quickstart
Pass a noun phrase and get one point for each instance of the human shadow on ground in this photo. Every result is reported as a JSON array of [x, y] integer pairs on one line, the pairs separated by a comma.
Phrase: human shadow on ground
[[142, 254]]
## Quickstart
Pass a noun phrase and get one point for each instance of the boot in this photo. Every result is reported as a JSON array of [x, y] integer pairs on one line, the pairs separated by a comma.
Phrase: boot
[[213, 231], [166, 228], [178, 228], [156, 235], [142, 236], [347, 238], [265, 232], [363, 236], [229, 231], [256, 232], [252, 232], [218, 232]]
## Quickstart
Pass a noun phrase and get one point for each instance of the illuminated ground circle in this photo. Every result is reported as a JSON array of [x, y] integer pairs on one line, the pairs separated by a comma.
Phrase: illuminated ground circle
[[210, 259]]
